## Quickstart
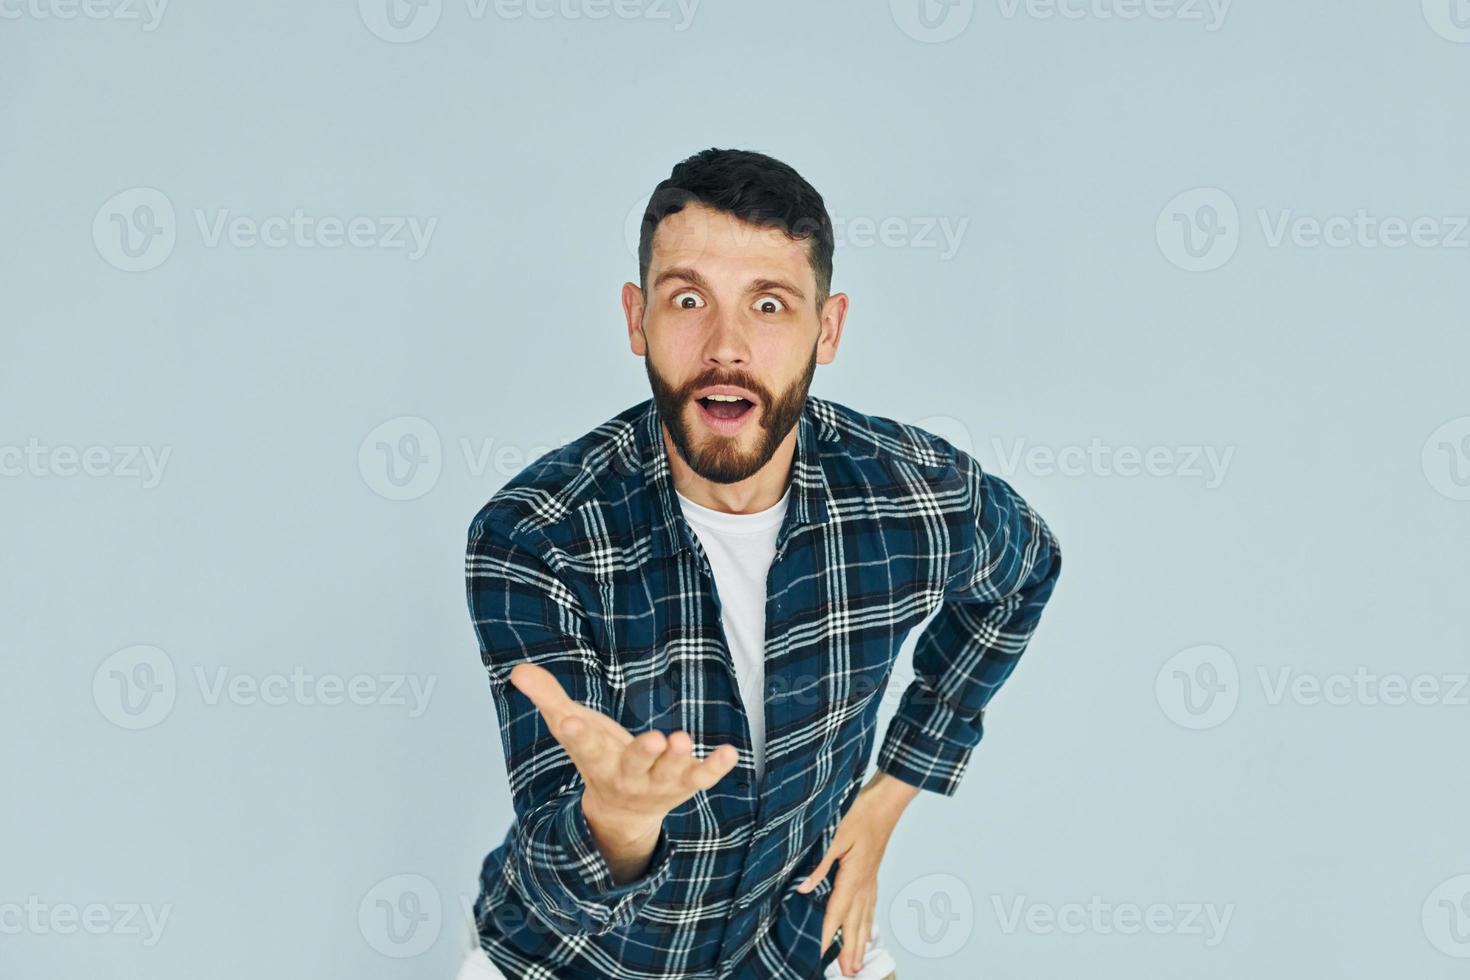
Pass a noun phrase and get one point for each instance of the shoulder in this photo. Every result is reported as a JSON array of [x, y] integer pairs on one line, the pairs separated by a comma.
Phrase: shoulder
[[538, 504], [886, 450]]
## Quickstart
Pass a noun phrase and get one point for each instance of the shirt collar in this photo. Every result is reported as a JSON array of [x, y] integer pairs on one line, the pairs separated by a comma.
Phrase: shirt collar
[[809, 489]]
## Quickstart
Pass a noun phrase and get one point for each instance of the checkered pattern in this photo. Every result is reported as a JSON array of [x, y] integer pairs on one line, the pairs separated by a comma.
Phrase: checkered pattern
[[584, 564]]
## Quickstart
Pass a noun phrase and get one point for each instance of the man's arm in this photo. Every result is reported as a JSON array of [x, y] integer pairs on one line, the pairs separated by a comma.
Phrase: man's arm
[[964, 655], [580, 880]]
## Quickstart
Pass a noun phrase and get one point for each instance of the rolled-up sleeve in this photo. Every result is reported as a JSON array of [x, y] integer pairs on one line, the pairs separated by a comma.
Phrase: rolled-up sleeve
[[991, 608], [524, 611]]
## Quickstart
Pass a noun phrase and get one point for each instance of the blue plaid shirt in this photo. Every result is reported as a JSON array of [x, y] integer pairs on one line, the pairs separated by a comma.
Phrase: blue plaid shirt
[[583, 563]]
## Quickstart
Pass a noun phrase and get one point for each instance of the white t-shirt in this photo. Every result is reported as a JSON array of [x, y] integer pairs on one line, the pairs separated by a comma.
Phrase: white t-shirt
[[740, 548]]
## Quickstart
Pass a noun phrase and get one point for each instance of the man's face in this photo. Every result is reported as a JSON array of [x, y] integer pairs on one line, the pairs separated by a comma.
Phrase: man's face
[[730, 306]]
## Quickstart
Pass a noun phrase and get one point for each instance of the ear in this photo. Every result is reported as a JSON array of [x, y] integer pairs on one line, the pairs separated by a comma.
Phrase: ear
[[633, 313], [833, 315]]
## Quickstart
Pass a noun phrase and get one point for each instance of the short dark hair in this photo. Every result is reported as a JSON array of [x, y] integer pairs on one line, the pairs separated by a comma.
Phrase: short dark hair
[[753, 187]]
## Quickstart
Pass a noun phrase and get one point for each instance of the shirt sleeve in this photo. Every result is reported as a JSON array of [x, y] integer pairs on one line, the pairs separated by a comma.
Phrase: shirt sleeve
[[991, 607], [522, 611]]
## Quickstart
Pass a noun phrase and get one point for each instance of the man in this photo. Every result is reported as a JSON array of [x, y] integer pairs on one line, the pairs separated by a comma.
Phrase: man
[[688, 616]]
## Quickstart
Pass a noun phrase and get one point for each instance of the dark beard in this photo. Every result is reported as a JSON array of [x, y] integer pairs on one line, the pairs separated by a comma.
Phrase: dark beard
[[720, 460]]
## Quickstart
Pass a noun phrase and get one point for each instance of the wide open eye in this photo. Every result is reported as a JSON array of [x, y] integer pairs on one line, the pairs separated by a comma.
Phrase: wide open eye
[[766, 301], [679, 300]]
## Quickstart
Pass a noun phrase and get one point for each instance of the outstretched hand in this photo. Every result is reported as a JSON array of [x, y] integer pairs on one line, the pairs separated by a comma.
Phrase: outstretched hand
[[635, 780]]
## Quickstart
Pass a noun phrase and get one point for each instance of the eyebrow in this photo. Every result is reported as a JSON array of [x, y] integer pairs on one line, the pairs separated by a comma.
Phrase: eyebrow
[[692, 276]]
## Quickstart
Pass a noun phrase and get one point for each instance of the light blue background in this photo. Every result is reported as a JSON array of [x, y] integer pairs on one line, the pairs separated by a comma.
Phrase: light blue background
[[1333, 835]]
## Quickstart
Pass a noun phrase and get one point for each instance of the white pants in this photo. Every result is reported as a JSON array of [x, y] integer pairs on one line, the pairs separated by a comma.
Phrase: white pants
[[477, 966], [878, 962]]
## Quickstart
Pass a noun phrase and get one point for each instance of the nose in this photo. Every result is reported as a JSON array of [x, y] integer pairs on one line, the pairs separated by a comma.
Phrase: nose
[[726, 343]]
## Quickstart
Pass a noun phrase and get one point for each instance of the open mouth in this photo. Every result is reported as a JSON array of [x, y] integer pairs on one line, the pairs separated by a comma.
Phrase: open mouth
[[724, 411]]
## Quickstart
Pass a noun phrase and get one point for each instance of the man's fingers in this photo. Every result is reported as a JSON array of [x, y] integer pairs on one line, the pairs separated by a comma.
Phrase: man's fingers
[[544, 690], [672, 766], [868, 913], [819, 872], [678, 766], [839, 902], [713, 767], [836, 912], [579, 737], [557, 707], [640, 754], [855, 936]]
